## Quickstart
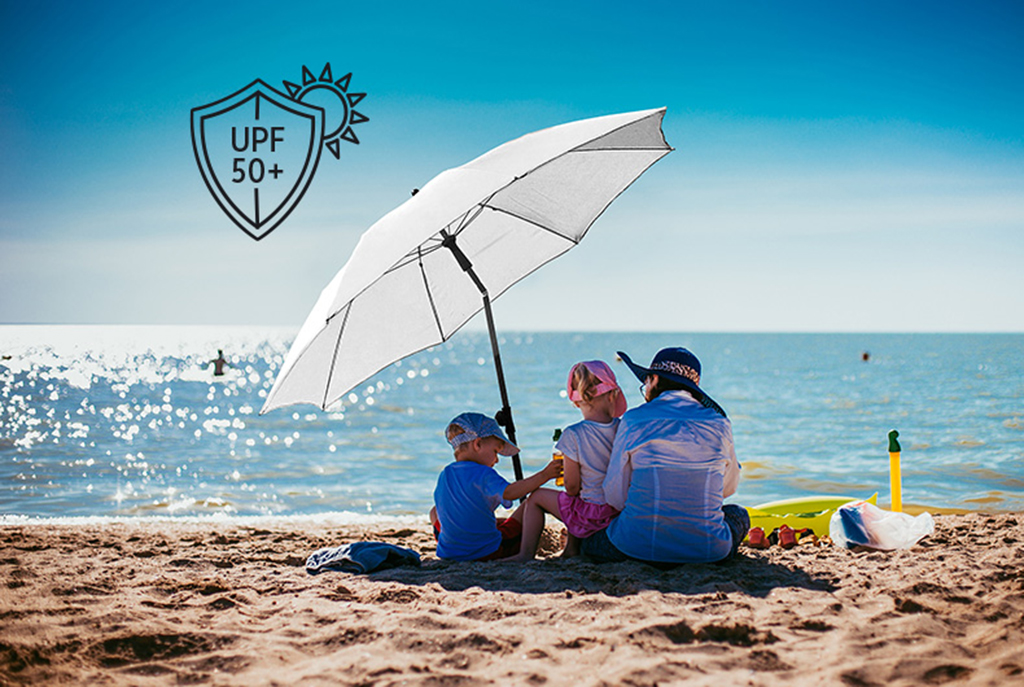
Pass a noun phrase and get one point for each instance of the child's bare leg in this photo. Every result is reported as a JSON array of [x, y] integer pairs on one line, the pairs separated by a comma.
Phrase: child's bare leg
[[540, 502], [519, 512]]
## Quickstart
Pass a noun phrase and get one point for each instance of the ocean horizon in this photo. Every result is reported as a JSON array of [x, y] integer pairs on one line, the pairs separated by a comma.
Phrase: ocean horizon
[[128, 421]]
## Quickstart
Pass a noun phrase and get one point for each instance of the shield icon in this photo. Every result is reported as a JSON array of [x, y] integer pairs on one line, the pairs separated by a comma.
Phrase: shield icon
[[257, 150]]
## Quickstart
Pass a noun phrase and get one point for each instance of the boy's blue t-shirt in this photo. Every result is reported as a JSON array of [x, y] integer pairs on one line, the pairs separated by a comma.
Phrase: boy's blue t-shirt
[[465, 497]]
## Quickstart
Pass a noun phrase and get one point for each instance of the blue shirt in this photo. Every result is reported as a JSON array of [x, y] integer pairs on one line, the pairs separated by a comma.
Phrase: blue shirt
[[465, 497], [672, 464]]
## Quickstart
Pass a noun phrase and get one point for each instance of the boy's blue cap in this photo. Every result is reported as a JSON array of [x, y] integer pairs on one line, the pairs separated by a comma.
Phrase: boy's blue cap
[[478, 426]]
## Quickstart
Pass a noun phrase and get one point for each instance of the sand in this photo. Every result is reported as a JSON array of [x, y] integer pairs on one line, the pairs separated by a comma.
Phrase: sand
[[168, 603]]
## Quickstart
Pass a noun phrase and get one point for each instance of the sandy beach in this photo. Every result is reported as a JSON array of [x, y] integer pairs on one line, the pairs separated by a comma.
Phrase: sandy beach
[[165, 603]]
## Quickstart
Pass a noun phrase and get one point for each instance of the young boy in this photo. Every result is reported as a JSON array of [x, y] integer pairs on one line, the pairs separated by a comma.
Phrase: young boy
[[469, 490]]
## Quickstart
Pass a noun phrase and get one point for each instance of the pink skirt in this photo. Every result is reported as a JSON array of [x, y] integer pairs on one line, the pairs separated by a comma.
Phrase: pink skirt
[[581, 518]]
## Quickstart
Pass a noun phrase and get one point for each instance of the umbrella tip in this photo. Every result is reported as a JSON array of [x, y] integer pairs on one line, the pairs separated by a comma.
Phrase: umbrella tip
[[415, 191]]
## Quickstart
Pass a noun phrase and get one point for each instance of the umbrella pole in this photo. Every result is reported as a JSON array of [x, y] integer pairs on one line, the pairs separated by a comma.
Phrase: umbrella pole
[[503, 416]]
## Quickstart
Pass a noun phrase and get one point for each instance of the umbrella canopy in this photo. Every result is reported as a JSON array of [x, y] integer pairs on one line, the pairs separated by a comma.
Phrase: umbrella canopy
[[417, 275]]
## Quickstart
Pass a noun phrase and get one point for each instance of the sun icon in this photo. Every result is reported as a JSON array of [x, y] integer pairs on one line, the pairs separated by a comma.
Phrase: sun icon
[[337, 104]]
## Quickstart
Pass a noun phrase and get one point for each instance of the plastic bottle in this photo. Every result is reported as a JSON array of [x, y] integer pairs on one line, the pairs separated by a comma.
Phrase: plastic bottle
[[557, 455]]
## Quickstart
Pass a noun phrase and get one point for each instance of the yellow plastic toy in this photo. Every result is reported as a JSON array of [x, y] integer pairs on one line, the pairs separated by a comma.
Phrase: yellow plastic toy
[[895, 479], [813, 512]]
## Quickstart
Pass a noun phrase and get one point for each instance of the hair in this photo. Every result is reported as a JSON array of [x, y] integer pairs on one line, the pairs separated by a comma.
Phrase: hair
[[584, 381], [665, 384], [453, 431]]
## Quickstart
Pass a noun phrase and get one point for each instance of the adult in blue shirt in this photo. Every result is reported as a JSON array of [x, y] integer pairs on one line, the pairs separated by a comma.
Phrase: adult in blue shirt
[[672, 464]]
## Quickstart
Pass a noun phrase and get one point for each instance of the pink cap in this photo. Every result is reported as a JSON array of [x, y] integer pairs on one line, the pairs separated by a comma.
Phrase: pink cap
[[604, 373]]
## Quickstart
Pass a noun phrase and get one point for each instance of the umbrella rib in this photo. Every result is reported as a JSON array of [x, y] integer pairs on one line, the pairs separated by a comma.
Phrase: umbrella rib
[[623, 190], [467, 220], [430, 296], [334, 358], [420, 251], [412, 256], [667, 147], [628, 149], [536, 224]]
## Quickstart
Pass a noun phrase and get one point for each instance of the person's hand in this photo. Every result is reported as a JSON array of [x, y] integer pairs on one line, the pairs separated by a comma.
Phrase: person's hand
[[552, 470]]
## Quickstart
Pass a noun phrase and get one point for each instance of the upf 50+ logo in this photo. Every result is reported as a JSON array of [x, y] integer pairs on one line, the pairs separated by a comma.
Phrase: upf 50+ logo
[[258, 148]]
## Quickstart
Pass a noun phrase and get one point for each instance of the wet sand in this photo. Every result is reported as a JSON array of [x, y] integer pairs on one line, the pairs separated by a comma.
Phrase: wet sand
[[166, 603]]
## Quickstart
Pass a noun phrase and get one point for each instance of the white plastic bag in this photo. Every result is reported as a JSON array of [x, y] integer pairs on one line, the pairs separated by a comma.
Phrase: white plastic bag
[[860, 523]]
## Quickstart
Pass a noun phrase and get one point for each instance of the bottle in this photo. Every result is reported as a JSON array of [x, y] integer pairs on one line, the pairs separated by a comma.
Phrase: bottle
[[557, 455]]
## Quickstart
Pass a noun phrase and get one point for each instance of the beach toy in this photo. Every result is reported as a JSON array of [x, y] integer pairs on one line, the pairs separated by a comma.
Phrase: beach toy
[[784, 536], [756, 538], [787, 537], [895, 482], [805, 512], [865, 524]]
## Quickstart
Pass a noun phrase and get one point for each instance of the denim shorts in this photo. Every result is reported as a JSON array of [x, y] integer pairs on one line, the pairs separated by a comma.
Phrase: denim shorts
[[600, 548]]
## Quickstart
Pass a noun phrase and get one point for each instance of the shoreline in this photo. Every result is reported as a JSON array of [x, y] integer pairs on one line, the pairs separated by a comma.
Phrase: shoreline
[[329, 518], [337, 518], [162, 603]]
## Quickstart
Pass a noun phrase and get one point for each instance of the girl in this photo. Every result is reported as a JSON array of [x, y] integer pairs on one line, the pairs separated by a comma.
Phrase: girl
[[587, 447]]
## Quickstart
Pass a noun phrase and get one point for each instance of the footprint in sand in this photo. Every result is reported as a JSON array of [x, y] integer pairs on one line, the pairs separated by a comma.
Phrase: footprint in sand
[[682, 633], [402, 596], [222, 603], [118, 651], [945, 673]]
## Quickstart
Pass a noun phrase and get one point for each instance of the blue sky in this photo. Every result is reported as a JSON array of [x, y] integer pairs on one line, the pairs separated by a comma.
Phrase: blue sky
[[838, 166]]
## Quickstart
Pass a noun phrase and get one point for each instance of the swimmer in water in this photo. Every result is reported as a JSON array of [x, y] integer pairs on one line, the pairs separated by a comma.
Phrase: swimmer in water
[[219, 363]]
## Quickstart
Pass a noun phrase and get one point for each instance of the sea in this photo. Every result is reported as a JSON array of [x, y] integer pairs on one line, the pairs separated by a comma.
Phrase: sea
[[112, 422]]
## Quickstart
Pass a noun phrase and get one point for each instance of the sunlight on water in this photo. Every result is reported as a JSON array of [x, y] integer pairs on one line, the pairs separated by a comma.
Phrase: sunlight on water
[[132, 421]]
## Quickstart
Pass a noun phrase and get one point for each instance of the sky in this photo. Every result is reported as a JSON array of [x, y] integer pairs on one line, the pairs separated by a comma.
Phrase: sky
[[838, 166]]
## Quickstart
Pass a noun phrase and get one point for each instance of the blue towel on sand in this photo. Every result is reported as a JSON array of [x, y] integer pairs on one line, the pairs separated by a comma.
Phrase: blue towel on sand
[[360, 557]]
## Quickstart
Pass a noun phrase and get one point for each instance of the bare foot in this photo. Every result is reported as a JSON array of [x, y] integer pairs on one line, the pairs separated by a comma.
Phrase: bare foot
[[519, 558]]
